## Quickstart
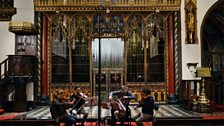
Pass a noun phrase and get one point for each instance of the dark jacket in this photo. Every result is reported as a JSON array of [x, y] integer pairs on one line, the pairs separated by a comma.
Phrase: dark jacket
[[79, 101], [59, 109], [147, 105]]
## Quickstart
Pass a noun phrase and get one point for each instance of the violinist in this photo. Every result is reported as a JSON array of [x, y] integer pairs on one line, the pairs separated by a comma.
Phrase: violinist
[[123, 96], [147, 104], [79, 103], [59, 107]]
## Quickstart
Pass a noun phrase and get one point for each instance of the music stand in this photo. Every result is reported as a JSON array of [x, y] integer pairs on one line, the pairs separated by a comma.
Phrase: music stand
[[93, 102]]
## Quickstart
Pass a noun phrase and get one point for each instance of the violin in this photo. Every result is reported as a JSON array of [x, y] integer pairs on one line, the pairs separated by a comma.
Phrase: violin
[[79, 102]]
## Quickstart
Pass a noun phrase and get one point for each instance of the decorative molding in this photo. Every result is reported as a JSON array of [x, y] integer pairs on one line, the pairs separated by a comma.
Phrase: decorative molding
[[112, 9], [122, 5], [21, 27]]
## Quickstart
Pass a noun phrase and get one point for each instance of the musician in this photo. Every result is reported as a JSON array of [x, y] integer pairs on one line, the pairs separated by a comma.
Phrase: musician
[[79, 103], [147, 104], [59, 107], [124, 95]]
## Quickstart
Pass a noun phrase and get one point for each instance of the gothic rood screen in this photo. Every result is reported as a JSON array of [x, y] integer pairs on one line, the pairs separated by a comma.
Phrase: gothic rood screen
[[135, 44]]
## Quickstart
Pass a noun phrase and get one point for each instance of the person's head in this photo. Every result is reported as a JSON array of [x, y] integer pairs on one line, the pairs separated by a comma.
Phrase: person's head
[[145, 93], [61, 95], [77, 90], [55, 94], [124, 88]]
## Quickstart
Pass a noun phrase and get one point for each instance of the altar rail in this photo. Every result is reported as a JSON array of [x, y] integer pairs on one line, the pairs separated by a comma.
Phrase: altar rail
[[106, 2]]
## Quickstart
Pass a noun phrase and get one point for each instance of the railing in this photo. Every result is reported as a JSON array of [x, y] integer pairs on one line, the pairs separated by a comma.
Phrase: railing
[[3, 69], [106, 2]]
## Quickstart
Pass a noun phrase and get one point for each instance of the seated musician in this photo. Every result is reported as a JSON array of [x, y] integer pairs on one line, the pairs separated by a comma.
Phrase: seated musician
[[79, 103], [124, 96], [147, 104], [59, 107]]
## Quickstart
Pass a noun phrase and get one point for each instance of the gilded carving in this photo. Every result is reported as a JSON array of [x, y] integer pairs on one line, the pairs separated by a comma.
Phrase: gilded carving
[[191, 22], [134, 33], [118, 5], [60, 26], [21, 27]]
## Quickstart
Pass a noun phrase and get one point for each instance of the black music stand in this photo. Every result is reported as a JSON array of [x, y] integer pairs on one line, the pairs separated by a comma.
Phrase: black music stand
[[93, 102]]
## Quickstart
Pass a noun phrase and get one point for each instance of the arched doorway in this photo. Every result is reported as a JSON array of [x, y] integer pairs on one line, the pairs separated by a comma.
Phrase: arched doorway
[[212, 37]]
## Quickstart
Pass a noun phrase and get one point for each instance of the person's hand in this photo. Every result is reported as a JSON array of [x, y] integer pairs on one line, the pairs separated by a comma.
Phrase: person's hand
[[125, 97], [110, 98], [73, 100], [70, 103]]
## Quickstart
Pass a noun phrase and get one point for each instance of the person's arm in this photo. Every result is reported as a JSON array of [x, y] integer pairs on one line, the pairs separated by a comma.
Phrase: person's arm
[[63, 104], [112, 93], [130, 95], [72, 98], [140, 104], [83, 96]]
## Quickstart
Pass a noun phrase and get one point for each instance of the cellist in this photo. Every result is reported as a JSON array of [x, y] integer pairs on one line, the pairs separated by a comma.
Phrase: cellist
[[123, 96]]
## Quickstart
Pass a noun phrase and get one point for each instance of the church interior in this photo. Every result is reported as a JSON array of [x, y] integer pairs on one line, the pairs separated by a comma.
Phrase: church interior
[[173, 48]]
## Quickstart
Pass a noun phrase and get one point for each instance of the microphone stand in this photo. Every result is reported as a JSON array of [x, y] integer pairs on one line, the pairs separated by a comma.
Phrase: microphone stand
[[91, 102]]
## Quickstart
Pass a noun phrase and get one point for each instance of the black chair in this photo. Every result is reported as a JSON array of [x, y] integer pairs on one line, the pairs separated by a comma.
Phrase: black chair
[[52, 111]]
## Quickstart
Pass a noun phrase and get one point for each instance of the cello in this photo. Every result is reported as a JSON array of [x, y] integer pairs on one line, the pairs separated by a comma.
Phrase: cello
[[120, 107]]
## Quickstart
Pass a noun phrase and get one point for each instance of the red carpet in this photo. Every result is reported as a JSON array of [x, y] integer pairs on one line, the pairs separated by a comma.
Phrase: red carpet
[[94, 124], [8, 116], [213, 117]]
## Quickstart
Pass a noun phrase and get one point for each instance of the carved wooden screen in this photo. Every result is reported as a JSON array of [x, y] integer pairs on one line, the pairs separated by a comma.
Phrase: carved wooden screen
[[80, 50], [135, 49], [144, 45], [59, 49], [155, 48]]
